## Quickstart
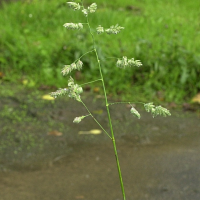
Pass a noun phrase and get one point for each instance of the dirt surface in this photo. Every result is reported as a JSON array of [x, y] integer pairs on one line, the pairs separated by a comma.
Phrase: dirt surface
[[159, 157], [149, 172]]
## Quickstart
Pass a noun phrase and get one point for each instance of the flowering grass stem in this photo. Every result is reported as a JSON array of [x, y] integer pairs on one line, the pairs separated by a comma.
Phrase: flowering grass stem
[[74, 90], [108, 113]]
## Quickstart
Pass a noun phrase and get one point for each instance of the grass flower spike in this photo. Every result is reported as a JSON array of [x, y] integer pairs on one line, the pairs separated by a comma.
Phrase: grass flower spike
[[114, 29], [73, 26], [135, 112], [74, 90], [149, 107], [85, 12], [79, 65], [124, 62], [92, 8], [59, 92], [134, 63], [69, 68], [159, 110], [74, 6], [156, 110], [100, 29], [78, 119]]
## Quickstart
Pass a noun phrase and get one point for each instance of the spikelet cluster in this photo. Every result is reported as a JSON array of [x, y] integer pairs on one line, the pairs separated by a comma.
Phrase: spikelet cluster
[[73, 26], [78, 119], [74, 66], [59, 92], [114, 29], [85, 12], [91, 9], [73, 90], [124, 62], [156, 110], [74, 6], [100, 29], [135, 112]]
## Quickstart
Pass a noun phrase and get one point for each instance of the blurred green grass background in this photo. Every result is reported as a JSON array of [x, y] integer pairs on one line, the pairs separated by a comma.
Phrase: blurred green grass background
[[164, 35]]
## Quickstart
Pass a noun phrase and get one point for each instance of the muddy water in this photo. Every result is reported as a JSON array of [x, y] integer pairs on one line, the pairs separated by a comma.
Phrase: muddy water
[[159, 157]]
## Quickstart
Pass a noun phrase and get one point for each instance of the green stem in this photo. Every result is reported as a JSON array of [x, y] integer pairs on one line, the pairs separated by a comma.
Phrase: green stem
[[96, 120], [110, 104], [108, 112], [90, 82], [87, 115], [84, 55], [111, 128], [91, 34], [109, 118]]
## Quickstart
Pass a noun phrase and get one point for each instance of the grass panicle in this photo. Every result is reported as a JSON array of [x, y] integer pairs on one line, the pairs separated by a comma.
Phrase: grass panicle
[[74, 90]]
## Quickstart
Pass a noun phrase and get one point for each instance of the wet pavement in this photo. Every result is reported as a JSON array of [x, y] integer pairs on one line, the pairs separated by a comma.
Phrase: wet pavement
[[159, 157]]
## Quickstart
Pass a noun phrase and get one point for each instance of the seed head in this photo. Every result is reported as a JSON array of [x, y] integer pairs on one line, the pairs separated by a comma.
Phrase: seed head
[[92, 8], [124, 62], [114, 29], [100, 29], [74, 6], [85, 12], [135, 112], [73, 26]]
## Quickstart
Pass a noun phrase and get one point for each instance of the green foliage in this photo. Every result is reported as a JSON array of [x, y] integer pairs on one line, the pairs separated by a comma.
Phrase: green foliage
[[33, 45]]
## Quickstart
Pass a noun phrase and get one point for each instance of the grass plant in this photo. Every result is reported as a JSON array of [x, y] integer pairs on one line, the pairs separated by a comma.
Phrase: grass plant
[[74, 90]]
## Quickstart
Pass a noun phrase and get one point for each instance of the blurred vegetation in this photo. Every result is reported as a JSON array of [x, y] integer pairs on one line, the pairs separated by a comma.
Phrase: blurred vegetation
[[164, 35]]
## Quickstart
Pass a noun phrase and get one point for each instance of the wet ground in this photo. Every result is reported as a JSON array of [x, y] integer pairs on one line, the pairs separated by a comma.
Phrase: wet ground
[[42, 156]]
